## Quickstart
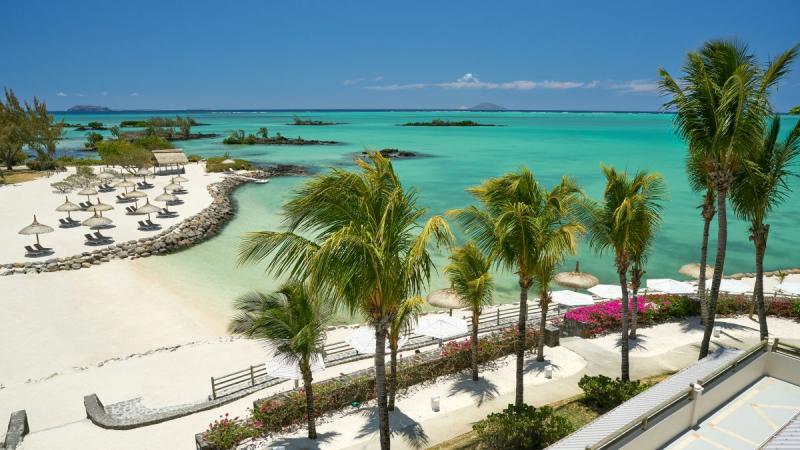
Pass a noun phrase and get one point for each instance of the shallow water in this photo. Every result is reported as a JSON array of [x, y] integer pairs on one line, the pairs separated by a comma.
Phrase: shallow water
[[551, 144]]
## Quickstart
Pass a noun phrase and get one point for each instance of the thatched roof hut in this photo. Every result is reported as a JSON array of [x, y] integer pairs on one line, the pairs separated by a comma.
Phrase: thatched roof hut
[[170, 160]]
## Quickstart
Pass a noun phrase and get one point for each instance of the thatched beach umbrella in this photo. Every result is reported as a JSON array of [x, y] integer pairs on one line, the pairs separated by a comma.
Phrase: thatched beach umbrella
[[144, 173], [166, 197], [179, 179], [125, 184], [693, 270], [106, 176], [88, 191], [36, 228], [100, 207], [96, 221], [135, 195], [445, 298], [576, 279], [148, 209], [68, 207], [172, 187]]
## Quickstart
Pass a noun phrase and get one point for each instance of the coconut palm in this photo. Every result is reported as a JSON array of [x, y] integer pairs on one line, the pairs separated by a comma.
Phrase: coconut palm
[[638, 269], [403, 322], [263, 132], [621, 222], [758, 188], [515, 211], [356, 236], [721, 108], [293, 321], [470, 278], [700, 181]]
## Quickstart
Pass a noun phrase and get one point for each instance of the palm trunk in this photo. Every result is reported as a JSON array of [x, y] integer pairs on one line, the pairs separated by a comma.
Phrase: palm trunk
[[520, 350], [380, 384], [392, 379], [473, 345], [636, 279], [759, 237], [625, 366], [719, 263], [708, 215], [307, 385], [544, 303]]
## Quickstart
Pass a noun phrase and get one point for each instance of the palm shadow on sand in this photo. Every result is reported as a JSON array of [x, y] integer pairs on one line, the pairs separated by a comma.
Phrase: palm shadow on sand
[[537, 367], [305, 443], [399, 425], [480, 391]]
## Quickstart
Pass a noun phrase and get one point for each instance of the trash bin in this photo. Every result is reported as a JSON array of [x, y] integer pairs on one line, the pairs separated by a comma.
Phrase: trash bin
[[551, 335]]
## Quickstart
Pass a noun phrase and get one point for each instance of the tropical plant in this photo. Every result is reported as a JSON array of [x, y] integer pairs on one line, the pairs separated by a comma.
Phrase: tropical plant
[[92, 139], [795, 111], [263, 132], [361, 242], [15, 130], [721, 105], [522, 427], [760, 185], [638, 266], [518, 216], [293, 321], [700, 181], [403, 323], [471, 280], [623, 222], [125, 154], [114, 130], [603, 393]]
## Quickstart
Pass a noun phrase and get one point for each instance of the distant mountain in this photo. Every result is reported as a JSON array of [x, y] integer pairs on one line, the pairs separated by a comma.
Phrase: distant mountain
[[88, 108], [487, 107]]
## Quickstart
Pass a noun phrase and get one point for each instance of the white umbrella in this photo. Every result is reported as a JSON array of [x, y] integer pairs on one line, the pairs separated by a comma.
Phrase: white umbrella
[[36, 228], [789, 287], [669, 286], [607, 291], [571, 298], [734, 287], [440, 326], [362, 339], [282, 367]]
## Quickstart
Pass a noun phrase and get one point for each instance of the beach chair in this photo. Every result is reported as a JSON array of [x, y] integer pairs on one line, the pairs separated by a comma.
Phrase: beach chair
[[65, 222], [130, 210], [142, 224], [152, 224], [30, 251], [42, 249], [85, 205], [73, 221], [90, 239]]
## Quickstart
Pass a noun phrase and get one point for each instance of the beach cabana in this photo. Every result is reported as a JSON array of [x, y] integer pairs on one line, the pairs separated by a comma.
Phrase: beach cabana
[[693, 270], [789, 287], [36, 228], [446, 299], [607, 291], [734, 287], [282, 367], [571, 298], [668, 286], [68, 207], [169, 160], [440, 327], [362, 340], [576, 279]]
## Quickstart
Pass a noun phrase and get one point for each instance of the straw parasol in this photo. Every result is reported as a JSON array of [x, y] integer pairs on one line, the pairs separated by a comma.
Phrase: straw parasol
[[283, 367], [571, 298], [100, 207], [135, 195], [165, 197], [106, 176], [693, 270], [125, 184], [440, 326], [148, 209], [362, 339], [179, 179], [172, 187], [576, 279], [445, 298], [96, 221], [68, 207], [87, 191], [36, 228], [142, 172], [668, 286]]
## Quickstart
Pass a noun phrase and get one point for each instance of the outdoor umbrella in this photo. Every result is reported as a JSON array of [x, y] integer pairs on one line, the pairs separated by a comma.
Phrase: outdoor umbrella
[[165, 197], [125, 184], [669, 286], [576, 279], [96, 221], [607, 291], [282, 367], [135, 195], [172, 187], [36, 228], [105, 176], [693, 270], [68, 207], [571, 298], [87, 192], [440, 326], [179, 179], [148, 209], [445, 298], [789, 287], [143, 173], [734, 287], [99, 207], [362, 339]]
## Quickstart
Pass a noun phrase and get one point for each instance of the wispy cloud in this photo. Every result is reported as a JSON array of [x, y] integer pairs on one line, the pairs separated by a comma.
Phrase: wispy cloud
[[104, 93], [397, 87], [592, 84], [79, 95], [635, 86], [134, 94], [378, 78], [471, 81], [352, 82], [61, 94]]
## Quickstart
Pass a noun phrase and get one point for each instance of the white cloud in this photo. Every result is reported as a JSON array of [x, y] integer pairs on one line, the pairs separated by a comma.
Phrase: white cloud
[[592, 84], [396, 87], [61, 94], [471, 81], [636, 86], [352, 82], [78, 95], [134, 94], [378, 78]]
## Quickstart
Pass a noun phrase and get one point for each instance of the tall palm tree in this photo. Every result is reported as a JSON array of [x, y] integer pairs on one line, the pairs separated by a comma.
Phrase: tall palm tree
[[631, 206], [721, 108], [700, 181], [403, 322], [638, 270], [356, 236], [292, 320], [470, 279], [514, 213], [759, 187]]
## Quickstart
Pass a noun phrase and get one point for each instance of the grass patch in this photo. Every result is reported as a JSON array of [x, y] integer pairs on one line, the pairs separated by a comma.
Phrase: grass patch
[[21, 176]]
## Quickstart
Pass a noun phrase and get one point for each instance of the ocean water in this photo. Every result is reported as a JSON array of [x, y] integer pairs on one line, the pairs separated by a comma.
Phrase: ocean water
[[551, 144]]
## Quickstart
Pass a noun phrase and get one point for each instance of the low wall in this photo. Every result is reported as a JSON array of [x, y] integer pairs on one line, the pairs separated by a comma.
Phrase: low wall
[[17, 430]]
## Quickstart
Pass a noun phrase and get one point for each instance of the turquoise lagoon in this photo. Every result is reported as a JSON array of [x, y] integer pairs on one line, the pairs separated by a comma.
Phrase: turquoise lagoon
[[552, 144]]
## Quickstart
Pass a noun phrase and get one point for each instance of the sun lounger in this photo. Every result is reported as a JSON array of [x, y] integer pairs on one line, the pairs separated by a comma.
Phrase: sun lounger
[[32, 252], [151, 224], [85, 205], [130, 210], [42, 249], [101, 237]]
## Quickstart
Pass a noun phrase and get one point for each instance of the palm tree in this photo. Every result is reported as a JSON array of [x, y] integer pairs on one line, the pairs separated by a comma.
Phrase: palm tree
[[263, 132], [721, 108], [356, 237], [293, 321], [514, 213], [759, 187], [622, 221], [471, 280], [700, 181], [403, 322], [638, 269]]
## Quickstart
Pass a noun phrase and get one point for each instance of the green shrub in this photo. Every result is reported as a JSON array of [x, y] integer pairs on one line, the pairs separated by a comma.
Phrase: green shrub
[[224, 433], [153, 142], [194, 158], [796, 307], [603, 393], [214, 164], [522, 427]]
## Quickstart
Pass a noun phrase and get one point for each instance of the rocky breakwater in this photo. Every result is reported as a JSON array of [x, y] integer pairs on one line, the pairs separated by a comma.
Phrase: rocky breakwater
[[190, 231]]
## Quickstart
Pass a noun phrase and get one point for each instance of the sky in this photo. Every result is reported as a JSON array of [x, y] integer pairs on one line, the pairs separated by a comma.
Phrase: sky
[[555, 55]]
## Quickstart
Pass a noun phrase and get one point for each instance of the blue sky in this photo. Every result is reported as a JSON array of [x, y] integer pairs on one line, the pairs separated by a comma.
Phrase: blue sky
[[368, 54]]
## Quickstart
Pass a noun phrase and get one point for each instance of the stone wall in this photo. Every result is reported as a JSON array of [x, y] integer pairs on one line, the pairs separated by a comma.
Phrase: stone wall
[[17, 429], [190, 231]]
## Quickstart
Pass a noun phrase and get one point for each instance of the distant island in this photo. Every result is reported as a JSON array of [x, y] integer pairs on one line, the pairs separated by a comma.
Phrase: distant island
[[239, 138], [447, 123], [89, 108], [306, 122], [485, 106], [160, 122], [795, 110]]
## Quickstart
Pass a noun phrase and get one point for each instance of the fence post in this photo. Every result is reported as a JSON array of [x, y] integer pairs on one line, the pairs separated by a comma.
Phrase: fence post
[[213, 390], [498, 315], [252, 377]]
